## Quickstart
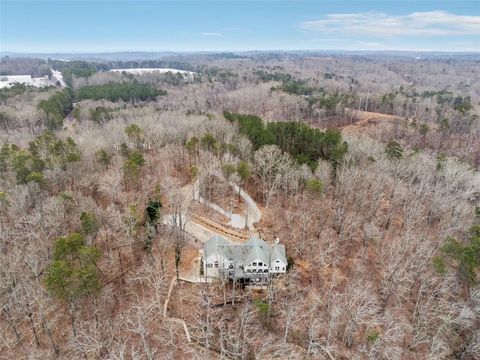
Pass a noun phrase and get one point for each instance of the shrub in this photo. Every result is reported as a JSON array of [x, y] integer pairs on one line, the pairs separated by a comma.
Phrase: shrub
[[373, 336], [465, 257], [104, 157], [394, 150], [90, 223], [314, 186], [153, 211]]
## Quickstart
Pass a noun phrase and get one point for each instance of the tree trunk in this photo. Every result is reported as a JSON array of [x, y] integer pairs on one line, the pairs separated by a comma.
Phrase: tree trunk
[[11, 322], [33, 328], [72, 318], [49, 333]]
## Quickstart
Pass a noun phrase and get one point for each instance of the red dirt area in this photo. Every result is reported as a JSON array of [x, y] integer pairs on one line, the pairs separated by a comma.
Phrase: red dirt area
[[190, 261], [366, 121]]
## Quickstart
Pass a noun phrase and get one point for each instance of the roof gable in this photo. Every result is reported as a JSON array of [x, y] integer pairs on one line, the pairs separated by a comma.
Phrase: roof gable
[[216, 244], [278, 253], [253, 250], [257, 250]]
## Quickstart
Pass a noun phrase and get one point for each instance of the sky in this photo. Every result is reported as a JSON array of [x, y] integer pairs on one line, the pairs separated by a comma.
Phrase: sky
[[110, 26]]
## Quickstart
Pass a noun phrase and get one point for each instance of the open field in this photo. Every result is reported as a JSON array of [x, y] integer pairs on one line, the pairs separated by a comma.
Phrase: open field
[[8, 80]]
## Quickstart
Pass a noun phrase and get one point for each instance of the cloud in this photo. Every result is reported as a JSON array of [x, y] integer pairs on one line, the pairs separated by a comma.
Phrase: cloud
[[325, 39], [369, 44], [211, 34], [430, 23]]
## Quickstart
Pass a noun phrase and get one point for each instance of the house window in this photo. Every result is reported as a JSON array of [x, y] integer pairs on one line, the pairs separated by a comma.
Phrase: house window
[[277, 268], [260, 264], [209, 266], [265, 270], [248, 270], [216, 264], [277, 261], [254, 264], [283, 268]]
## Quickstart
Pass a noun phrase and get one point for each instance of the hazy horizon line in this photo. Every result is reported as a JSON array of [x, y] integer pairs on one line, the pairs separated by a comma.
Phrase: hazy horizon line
[[236, 51]]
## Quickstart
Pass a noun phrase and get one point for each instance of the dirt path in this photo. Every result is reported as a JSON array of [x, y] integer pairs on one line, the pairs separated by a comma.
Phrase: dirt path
[[202, 228], [57, 75], [216, 228], [239, 221], [174, 319], [253, 214]]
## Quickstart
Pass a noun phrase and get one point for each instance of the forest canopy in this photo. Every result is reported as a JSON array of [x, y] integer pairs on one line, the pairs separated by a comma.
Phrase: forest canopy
[[102, 208], [56, 108], [126, 91], [304, 143], [24, 66], [77, 69], [47, 151]]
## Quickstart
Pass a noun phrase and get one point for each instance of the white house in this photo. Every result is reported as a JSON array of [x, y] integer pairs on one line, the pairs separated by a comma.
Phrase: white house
[[254, 261]]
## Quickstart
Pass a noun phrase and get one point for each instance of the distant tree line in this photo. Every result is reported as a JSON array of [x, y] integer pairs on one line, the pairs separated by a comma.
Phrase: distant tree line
[[151, 64], [215, 73], [174, 79], [24, 66], [403, 98], [297, 87], [332, 103], [126, 91], [84, 69], [77, 69], [81, 68], [275, 76], [304, 143]]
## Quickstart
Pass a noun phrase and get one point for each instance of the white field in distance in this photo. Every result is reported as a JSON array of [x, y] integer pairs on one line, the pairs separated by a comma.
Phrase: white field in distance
[[10, 80]]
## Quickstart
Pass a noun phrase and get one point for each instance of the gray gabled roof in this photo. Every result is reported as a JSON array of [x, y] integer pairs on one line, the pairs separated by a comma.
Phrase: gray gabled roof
[[215, 244], [257, 250], [278, 253], [236, 254], [254, 249], [254, 241]]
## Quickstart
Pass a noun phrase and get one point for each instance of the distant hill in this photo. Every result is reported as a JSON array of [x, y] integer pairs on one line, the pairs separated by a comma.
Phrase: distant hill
[[238, 55], [93, 56]]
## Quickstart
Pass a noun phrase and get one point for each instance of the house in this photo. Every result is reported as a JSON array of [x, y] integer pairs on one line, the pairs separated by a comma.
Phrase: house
[[253, 261]]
